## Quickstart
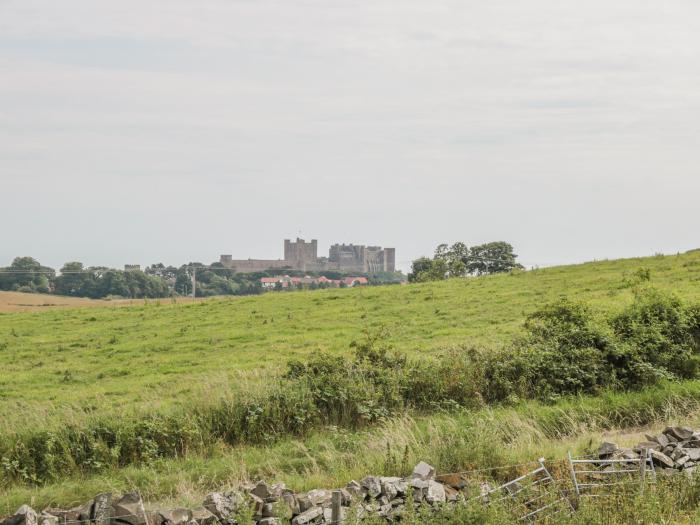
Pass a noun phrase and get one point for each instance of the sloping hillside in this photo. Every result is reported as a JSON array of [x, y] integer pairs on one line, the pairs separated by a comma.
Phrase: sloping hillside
[[160, 397], [162, 352]]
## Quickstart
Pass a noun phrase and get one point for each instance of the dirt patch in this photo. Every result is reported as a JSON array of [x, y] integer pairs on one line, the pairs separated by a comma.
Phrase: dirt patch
[[34, 302]]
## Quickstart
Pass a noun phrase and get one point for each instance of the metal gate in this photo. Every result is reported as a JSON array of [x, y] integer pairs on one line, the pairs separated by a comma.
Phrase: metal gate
[[591, 474], [532, 496]]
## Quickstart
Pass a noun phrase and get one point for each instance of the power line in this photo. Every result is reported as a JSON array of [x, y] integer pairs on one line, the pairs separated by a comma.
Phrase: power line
[[98, 270]]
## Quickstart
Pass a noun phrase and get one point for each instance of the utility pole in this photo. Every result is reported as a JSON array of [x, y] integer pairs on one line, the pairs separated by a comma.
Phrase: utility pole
[[194, 282]]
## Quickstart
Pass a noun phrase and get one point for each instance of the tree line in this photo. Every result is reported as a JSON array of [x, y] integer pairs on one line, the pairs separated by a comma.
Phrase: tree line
[[26, 274], [459, 260]]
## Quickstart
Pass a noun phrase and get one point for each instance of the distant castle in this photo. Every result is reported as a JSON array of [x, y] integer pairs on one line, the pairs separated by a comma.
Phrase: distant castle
[[302, 255]]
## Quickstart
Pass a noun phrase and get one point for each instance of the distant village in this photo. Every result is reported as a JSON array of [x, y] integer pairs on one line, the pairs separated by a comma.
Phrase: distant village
[[287, 282]]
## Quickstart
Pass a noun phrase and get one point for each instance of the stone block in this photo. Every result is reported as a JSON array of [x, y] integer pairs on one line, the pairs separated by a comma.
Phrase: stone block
[[423, 471]]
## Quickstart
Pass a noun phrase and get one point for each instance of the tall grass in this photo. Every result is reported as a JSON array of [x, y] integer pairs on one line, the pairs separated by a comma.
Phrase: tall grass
[[455, 442]]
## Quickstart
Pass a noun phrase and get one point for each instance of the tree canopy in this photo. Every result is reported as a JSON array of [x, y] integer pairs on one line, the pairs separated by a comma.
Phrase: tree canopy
[[26, 274], [459, 260]]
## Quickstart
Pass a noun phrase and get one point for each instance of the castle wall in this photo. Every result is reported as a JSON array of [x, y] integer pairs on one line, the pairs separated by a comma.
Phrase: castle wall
[[253, 265], [374, 259], [347, 257], [303, 256]]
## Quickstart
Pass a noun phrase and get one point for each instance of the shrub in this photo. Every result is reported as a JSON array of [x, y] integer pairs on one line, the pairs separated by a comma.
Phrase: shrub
[[567, 350], [663, 331], [455, 377], [350, 392]]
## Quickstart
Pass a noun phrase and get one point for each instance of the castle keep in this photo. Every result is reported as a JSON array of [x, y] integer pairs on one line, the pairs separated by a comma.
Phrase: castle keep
[[302, 255]]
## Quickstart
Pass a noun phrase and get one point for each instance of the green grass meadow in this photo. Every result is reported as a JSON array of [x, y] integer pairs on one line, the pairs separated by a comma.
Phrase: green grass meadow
[[64, 366], [159, 353]]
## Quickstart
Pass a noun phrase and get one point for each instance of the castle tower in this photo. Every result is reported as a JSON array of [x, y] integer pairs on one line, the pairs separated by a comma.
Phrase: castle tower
[[300, 254], [389, 259]]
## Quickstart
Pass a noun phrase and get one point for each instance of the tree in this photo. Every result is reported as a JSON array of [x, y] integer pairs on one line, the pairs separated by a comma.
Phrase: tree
[[115, 283], [75, 280], [183, 281], [418, 268], [162, 271], [492, 257], [222, 271], [455, 258], [459, 260], [425, 269], [26, 274]]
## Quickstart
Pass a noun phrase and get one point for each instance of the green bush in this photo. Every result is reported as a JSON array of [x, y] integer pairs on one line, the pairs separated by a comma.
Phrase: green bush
[[567, 350], [663, 331]]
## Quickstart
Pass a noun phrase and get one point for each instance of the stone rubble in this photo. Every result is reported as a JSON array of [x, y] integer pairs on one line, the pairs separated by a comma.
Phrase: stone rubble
[[383, 496], [675, 449]]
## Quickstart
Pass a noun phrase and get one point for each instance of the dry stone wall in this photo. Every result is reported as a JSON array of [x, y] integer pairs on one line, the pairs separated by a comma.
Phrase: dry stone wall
[[384, 496], [676, 449]]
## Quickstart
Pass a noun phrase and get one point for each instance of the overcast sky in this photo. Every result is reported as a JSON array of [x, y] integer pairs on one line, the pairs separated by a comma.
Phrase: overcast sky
[[176, 130]]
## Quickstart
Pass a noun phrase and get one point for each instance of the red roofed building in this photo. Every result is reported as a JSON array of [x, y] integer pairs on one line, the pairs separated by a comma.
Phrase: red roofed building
[[285, 281], [269, 282], [355, 281]]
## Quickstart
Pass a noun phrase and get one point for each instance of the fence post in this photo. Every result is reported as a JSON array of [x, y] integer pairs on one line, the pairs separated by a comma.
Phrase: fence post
[[652, 469], [572, 470], [336, 502], [643, 458]]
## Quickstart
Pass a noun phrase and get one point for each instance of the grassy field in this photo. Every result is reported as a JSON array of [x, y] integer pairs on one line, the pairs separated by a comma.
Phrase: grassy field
[[163, 353], [61, 365]]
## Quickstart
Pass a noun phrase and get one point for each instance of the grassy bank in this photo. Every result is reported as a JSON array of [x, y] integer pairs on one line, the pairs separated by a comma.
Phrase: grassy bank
[[452, 442]]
